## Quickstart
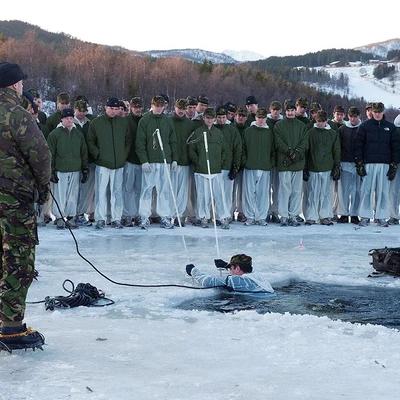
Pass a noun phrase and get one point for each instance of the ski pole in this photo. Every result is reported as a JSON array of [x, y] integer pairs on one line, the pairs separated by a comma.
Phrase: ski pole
[[211, 194], [171, 187]]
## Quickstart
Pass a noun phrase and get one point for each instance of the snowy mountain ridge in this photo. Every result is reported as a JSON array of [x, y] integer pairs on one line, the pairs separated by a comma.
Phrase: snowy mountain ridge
[[243, 55], [196, 55], [380, 49]]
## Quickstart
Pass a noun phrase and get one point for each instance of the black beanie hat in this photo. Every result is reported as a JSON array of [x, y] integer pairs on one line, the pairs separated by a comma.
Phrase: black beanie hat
[[10, 73], [67, 112]]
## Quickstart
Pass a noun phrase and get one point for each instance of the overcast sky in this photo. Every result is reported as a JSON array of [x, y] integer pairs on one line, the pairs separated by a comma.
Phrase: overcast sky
[[269, 28]]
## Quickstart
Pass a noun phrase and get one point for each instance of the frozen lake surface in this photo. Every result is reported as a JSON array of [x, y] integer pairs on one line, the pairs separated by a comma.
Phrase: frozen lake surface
[[149, 346]]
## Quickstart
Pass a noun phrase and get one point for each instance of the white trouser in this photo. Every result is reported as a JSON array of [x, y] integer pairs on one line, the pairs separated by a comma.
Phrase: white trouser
[[66, 193], [237, 193], [319, 199], [131, 189], [112, 179], [46, 208], [274, 192], [227, 190], [86, 193], [394, 196], [289, 194], [374, 190], [256, 193], [204, 196], [191, 207], [335, 197], [180, 182], [157, 178], [348, 190]]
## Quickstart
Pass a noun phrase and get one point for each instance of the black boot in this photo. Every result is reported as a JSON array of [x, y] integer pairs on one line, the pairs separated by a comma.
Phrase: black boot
[[21, 337], [354, 219], [344, 219]]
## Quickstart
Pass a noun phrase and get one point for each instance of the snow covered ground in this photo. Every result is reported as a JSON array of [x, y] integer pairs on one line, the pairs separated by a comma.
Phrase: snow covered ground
[[144, 347], [363, 84]]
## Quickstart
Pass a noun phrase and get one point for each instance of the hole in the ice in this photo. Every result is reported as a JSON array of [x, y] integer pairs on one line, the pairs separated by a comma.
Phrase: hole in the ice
[[361, 304]]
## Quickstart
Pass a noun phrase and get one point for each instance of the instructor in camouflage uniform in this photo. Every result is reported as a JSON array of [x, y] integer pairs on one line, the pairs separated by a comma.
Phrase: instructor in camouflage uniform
[[24, 178]]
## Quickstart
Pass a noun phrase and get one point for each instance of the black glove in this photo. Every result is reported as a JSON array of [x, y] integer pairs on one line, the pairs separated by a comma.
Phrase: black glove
[[189, 268], [360, 167], [220, 263], [85, 175], [306, 175], [43, 196], [335, 173], [232, 173], [391, 174], [54, 177]]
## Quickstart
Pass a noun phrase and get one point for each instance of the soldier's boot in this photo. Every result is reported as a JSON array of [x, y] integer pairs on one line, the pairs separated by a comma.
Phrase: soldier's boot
[[21, 337]]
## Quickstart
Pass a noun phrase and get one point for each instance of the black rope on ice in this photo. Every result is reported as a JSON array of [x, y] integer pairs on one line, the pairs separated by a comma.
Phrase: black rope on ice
[[83, 295]]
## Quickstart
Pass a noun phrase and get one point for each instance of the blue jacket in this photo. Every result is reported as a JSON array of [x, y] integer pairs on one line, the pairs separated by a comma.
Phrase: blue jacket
[[377, 142], [247, 283]]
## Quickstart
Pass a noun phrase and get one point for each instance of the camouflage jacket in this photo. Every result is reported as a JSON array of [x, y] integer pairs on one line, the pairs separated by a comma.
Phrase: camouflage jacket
[[24, 155]]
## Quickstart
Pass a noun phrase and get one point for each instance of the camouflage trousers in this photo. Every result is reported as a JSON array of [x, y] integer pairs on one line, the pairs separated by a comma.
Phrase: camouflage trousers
[[18, 238]]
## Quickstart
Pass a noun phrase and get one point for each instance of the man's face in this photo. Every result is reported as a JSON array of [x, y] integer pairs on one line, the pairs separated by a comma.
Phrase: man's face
[[180, 112], [136, 110], [321, 124], [221, 119], [67, 122], [378, 116], [240, 119], [80, 114], [122, 112], [201, 107], [19, 87], [62, 106], [368, 113], [190, 111], [275, 113], [38, 101], [235, 270], [300, 110], [252, 108], [157, 108], [339, 116], [261, 121], [354, 120], [230, 116], [112, 112], [209, 121], [290, 113]]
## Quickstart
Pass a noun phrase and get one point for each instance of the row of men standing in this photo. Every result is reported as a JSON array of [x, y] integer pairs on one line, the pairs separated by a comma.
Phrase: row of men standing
[[128, 157]]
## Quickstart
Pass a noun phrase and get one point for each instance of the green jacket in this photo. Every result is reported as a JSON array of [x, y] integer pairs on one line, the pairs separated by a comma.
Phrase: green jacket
[[258, 148], [68, 150], [24, 154], [84, 130], [240, 128], [233, 147], [323, 149], [183, 129], [147, 144], [216, 150], [133, 126], [290, 134], [51, 123], [303, 119], [109, 141]]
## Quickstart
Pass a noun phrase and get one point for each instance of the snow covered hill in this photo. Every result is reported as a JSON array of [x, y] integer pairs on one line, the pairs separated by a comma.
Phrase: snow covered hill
[[244, 55], [381, 48], [362, 83], [196, 55]]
